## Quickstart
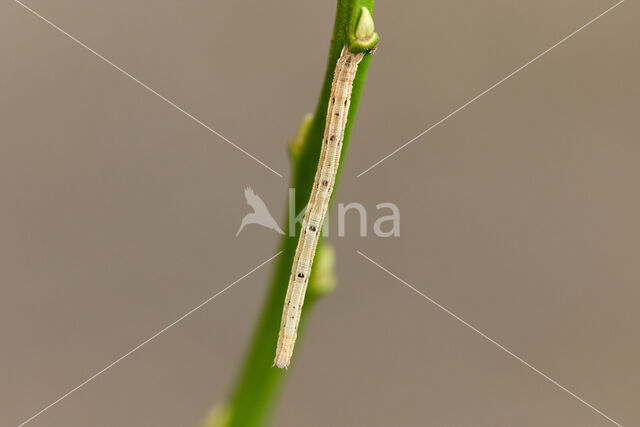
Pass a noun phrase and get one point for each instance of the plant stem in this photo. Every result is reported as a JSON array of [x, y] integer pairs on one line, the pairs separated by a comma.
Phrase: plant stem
[[258, 384]]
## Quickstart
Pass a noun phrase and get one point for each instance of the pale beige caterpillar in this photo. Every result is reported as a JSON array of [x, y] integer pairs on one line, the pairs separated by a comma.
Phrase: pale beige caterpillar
[[337, 113]]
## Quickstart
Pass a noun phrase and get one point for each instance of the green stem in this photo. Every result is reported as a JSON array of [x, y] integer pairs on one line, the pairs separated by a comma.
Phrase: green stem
[[258, 384]]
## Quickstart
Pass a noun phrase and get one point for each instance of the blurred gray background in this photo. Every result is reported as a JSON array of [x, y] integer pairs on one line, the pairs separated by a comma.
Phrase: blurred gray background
[[520, 213]]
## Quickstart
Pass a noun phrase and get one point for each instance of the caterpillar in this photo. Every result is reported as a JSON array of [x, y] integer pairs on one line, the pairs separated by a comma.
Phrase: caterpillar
[[337, 112]]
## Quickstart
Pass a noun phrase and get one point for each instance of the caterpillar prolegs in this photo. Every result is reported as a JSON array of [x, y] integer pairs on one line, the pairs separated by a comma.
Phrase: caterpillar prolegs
[[337, 112]]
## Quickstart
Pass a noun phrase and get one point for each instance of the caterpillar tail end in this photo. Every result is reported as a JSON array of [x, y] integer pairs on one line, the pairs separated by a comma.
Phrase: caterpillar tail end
[[282, 361], [283, 355]]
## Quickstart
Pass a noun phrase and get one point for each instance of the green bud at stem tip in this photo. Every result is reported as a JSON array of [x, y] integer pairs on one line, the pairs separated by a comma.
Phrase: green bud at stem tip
[[365, 27], [364, 38]]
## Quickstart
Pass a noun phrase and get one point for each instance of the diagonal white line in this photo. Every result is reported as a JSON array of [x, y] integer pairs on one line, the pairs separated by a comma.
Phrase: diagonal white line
[[488, 338], [472, 100], [142, 344], [168, 101]]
